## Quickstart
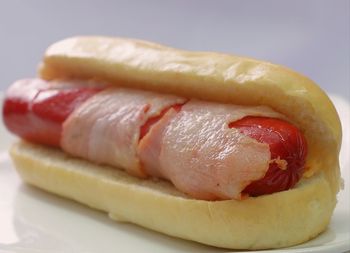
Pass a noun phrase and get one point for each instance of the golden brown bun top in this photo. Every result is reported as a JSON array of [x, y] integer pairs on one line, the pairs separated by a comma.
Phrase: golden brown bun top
[[209, 76]]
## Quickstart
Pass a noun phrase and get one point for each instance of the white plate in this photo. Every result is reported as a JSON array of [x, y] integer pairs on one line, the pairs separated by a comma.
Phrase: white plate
[[35, 221]]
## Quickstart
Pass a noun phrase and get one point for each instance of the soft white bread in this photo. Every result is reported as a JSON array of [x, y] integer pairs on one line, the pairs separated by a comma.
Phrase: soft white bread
[[270, 221]]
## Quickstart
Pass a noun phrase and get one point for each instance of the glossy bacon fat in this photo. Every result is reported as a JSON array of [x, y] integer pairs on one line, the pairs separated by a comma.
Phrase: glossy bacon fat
[[208, 150]]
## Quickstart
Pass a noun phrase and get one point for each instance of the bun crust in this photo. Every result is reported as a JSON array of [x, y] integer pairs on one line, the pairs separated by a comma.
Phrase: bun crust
[[208, 76], [271, 221]]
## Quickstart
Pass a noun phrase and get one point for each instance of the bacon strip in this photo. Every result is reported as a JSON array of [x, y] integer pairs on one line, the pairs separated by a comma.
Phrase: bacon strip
[[106, 129], [203, 157]]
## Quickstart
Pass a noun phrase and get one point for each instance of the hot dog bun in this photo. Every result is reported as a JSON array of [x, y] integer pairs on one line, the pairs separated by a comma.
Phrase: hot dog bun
[[270, 221]]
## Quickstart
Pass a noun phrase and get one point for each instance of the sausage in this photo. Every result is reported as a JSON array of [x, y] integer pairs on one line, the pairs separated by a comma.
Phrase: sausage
[[38, 116], [288, 148], [35, 110]]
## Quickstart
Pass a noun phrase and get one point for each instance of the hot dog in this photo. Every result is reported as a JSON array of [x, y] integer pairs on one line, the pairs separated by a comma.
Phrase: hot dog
[[48, 105], [288, 136]]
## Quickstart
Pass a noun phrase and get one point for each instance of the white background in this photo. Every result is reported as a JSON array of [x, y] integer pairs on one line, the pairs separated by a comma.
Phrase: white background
[[310, 36]]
